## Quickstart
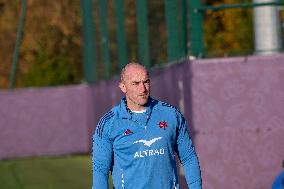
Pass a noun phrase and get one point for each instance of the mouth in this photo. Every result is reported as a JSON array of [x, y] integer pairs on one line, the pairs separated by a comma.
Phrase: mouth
[[143, 95]]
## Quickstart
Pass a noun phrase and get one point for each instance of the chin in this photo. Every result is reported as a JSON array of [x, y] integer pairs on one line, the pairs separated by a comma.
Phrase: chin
[[143, 102]]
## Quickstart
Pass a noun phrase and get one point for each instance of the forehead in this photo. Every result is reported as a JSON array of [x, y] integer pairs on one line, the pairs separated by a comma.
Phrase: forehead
[[136, 73]]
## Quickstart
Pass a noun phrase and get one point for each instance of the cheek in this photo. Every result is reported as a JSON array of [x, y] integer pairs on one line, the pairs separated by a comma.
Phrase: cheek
[[130, 90]]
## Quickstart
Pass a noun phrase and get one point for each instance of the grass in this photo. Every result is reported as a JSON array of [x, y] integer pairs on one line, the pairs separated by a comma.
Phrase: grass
[[72, 172]]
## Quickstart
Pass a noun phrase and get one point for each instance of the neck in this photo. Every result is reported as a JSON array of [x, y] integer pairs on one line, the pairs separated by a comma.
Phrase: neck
[[135, 107], [139, 111]]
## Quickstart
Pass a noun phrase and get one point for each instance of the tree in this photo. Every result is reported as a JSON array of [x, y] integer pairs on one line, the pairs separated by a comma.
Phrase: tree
[[9, 13], [50, 51], [229, 31]]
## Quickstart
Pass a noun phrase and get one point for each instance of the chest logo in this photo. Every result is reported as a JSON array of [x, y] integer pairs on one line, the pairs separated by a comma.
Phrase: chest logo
[[148, 142], [163, 125]]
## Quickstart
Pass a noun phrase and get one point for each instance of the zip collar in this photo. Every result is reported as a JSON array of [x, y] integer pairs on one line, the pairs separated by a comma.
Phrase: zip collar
[[126, 113]]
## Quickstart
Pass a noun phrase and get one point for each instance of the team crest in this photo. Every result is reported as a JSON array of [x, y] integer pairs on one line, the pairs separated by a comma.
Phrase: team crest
[[163, 125]]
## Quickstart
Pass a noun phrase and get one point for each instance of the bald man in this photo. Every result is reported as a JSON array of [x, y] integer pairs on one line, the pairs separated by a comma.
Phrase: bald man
[[137, 139]]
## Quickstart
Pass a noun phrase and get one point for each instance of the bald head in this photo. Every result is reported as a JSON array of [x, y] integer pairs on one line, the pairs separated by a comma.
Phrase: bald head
[[131, 68], [135, 84]]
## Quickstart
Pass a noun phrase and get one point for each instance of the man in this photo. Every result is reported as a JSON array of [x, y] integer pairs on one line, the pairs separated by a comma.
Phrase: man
[[278, 183], [136, 140]]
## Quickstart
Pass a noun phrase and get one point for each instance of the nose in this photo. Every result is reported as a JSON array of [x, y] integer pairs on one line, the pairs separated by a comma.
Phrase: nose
[[142, 87]]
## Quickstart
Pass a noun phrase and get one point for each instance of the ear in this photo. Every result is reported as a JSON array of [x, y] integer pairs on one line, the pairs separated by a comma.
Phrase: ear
[[122, 87]]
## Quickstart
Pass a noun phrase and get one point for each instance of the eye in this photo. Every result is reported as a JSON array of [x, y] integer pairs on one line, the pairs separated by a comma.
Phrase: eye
[[135, 83], [147, 82]]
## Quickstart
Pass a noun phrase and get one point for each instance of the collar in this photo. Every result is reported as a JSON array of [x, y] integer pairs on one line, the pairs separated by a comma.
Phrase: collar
[[126, 112]]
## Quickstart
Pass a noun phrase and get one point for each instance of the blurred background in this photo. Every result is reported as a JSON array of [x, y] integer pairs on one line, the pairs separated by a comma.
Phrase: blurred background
[[220, 62]]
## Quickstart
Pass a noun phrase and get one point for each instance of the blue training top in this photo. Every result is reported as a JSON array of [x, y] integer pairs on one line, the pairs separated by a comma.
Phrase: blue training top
[[140, 152], [279, 181]]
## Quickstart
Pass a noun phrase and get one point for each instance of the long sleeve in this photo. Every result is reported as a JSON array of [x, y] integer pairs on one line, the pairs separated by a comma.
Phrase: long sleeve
[[102, 155], [187, 156]]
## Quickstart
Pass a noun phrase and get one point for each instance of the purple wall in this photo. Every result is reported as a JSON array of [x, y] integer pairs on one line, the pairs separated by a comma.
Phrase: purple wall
[[235, 111], [239, 118], [44, 121], [234, 108]]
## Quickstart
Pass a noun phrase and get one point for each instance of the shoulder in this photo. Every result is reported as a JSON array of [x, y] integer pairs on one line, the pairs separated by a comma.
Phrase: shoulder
[[107, 116], [164, 106], [105, 120], [170, 110]]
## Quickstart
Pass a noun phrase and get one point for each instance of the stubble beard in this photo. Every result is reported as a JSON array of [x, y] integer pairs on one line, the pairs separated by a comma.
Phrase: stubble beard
[[141, 100]]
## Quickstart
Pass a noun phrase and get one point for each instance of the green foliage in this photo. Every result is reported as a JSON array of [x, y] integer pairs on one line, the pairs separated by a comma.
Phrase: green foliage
[[157, 34], [9, 14], [228, 32], [50, 51], [50, 70]]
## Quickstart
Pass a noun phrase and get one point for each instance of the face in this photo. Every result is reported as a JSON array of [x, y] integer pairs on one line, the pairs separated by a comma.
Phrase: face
[[136, 86]]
